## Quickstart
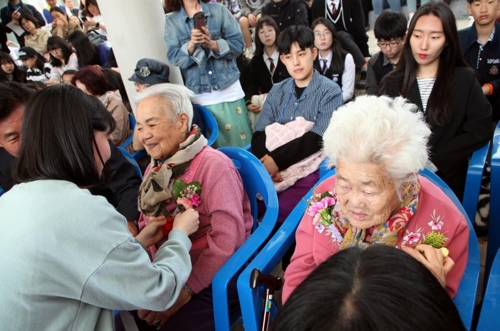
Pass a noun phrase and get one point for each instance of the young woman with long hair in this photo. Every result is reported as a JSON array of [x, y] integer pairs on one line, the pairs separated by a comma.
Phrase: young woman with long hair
[[9, 71], [332, 61], [61, 59], [433, 74]]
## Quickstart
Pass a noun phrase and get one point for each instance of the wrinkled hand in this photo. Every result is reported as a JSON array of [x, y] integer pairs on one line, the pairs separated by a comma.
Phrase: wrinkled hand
[[433, 260], [152, 316], [270, 165], [151, 233], [187, 221], [254, 108]]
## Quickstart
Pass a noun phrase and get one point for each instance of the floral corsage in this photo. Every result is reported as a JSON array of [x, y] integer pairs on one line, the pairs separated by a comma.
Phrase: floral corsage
[[186, 196], [321, 208]]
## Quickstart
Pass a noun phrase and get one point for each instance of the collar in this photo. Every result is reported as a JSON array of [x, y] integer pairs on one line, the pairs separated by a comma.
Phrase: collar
[[14, 7], [470, 36], [275, 56], [314, 84], [328, 58], [204, 8], [490, 38], [336, 2]]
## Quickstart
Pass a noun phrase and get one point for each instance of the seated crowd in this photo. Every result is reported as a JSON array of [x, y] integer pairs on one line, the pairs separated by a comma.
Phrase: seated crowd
[[152, 246]]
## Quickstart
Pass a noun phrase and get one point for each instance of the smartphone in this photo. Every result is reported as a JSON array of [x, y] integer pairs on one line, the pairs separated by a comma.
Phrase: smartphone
[[199, 20]]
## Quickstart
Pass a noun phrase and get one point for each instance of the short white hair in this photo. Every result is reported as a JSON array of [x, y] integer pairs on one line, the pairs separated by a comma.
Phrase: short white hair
[[381, 130], [176, 96]]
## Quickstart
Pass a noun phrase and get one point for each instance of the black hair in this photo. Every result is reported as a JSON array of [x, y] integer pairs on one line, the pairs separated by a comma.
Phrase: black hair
[[300, 34], [59, 10], [438, 106], [12, 95], [28, 17], [40, 61], [58, 42], [268, 20], [86, 51], [57, 140], [337, 50], [115, 82], [380, 288], [390, 25], [18, 75], [175, 5]]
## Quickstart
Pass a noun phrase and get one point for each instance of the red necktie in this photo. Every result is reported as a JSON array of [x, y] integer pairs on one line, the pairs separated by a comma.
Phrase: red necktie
[[334, 9], [271, 65]]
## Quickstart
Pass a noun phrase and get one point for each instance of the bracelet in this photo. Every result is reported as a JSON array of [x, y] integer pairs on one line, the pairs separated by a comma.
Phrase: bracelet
[[188, 289], [491, 88]]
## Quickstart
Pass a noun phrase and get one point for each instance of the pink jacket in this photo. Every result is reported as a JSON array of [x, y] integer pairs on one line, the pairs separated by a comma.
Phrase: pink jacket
[[225, 216], [435, 209]]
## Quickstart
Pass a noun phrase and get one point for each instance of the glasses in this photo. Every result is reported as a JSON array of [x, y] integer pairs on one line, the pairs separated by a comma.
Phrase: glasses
[[318, 34], [391, 44], [55, 49], [268, 30]]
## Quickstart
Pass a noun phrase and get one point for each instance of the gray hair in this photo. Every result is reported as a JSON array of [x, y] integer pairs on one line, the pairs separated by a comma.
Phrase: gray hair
[[380, 130], [176, 96]]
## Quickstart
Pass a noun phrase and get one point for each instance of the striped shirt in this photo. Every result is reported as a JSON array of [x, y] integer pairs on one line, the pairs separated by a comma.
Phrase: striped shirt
[[316, 104], [425, 86]]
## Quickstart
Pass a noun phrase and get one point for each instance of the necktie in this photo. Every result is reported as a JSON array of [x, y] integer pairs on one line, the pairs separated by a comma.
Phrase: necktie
[[271, 65], [334, 9], [324, 68]]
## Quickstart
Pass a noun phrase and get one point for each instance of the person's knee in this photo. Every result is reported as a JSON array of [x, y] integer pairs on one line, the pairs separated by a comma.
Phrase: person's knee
[[244, 22]]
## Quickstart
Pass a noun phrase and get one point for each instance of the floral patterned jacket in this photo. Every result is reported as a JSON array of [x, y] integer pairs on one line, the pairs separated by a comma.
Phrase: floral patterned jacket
[[436, 212]]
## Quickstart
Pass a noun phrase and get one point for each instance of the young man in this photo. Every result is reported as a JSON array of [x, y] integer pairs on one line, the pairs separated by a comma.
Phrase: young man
[[481, 48], [124, 182], [348, 18], [306, 94], [390, 31]]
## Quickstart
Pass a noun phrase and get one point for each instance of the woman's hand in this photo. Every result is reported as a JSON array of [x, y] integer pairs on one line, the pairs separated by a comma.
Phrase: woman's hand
[[58, 24], [89, 23], [159, 318], [187, 221], [434, 261], [254, 108], [152, 233]]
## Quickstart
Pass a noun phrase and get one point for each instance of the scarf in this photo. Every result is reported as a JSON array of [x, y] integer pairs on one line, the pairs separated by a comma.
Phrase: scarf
[[386, 233], [156, 187]]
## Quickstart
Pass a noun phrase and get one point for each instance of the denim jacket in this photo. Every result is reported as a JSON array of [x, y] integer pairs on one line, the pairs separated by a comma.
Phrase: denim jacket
[[205, 70]]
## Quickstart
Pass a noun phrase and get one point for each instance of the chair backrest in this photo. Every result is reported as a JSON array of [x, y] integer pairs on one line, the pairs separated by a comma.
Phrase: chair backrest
[[211, 126], [491, 299], [494, 223], [273, 251], [131, 159], [475, 171], [256, 182], [132, 123]]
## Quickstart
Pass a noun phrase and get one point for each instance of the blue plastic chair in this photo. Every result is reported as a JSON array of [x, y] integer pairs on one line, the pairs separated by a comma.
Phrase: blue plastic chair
[[477, 163], [256, 180], [128, 141], [494, 223], [273, 251], [488, 318], [131, 159], [210, 122]]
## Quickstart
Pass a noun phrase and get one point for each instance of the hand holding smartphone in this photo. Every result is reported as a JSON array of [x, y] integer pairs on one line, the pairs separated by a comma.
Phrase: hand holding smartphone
[[199, 20]]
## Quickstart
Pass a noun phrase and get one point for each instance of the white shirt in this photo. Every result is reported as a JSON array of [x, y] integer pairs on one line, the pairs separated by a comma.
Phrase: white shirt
[[275, 56], [328, 59]]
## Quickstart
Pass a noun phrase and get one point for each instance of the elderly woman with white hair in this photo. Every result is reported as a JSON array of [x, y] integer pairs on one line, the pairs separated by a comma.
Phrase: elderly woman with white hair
[[186, 173], [378, 145]]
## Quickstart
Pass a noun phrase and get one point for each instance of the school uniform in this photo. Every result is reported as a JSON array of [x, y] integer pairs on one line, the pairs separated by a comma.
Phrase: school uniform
[[344, 79], [260, 79], [378, 66]]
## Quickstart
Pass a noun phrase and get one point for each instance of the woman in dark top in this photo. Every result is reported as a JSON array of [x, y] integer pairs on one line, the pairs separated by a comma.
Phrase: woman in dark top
[[433, 74], [266, 68], [9, 71]]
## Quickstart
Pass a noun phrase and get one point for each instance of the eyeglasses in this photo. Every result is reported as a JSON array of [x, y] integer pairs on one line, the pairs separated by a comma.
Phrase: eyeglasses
[[318, 34], [391, 44], [268, 30]]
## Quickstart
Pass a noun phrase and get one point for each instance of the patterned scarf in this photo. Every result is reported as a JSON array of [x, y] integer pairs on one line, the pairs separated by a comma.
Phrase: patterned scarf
[[156, 187], [386, 233]]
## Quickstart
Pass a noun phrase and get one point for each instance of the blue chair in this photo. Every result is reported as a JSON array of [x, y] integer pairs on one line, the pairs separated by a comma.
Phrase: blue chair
[[491, 299], [494, 223], [256, 180], [131, 159], [210, 122], [1, 191], [475, 171], [273, 251]]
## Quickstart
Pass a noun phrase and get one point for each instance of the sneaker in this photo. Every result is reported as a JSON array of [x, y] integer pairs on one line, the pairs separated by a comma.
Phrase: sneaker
[[362, 80]]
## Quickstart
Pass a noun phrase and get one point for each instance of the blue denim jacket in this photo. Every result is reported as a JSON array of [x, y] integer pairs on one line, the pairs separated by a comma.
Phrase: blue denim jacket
[[205, 70]]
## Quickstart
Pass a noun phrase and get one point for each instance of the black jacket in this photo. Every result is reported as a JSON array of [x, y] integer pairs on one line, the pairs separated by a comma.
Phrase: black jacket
[[259, 78], [335, 76], [469, 129], [352, 21], [489, 65], [287, 13], [6, 16], [121, 191]]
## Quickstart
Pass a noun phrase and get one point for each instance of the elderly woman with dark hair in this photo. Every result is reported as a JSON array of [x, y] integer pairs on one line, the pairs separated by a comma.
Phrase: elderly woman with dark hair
[[377, 196], [91, 80], [364, 290], [35, 36], [62, 58], [68, 260], [180, 156]]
